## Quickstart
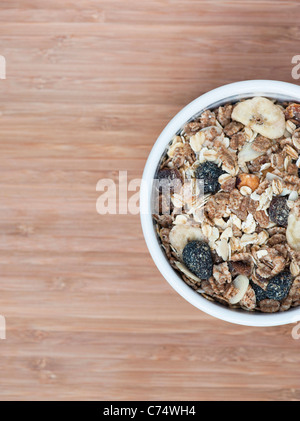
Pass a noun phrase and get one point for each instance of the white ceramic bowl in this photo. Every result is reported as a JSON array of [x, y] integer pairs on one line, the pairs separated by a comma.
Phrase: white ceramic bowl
[[210, 100]]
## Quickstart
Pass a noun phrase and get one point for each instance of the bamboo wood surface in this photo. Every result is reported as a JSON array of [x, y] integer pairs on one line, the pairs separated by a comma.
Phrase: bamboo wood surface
[[90, 85]]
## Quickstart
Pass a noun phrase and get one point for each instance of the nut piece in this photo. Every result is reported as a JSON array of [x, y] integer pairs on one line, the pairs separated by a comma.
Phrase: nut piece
[[248, 154], [248, 180], [279, 211], [187, 272], [261, 115], [241, 283], [196, 141]]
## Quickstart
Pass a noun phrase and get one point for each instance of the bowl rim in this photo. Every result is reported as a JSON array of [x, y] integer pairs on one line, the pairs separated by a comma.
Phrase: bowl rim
[[238, 90]]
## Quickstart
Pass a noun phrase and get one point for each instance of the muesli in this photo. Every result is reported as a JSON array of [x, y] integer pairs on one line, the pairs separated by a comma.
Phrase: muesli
[[229, 209]]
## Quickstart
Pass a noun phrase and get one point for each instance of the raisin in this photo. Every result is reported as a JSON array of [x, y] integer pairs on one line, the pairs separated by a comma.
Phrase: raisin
[[259, 292], [209, 173], [279, 286], [169, 180], [198, 258], [279, 211]]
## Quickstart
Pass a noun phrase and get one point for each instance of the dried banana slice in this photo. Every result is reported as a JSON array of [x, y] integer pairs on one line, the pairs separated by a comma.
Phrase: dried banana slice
[[180, 235], [262, 116]]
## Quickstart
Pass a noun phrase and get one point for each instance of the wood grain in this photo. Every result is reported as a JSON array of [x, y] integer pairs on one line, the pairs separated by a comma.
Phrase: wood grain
[[90, 85]]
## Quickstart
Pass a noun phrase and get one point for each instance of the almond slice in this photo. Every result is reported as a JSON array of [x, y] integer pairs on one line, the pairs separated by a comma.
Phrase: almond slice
[[187, 272], [241, 283]]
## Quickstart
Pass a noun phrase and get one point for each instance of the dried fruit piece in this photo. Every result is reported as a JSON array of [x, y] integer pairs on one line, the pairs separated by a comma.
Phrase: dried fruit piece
[[169, 180], [181, 234], [279, 211], [209, 172], [187, 272], [248, 180], [198, 259], [241, 283], [293, 229], [259, 292], [261, 115], [279, 286], [235, 221]]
